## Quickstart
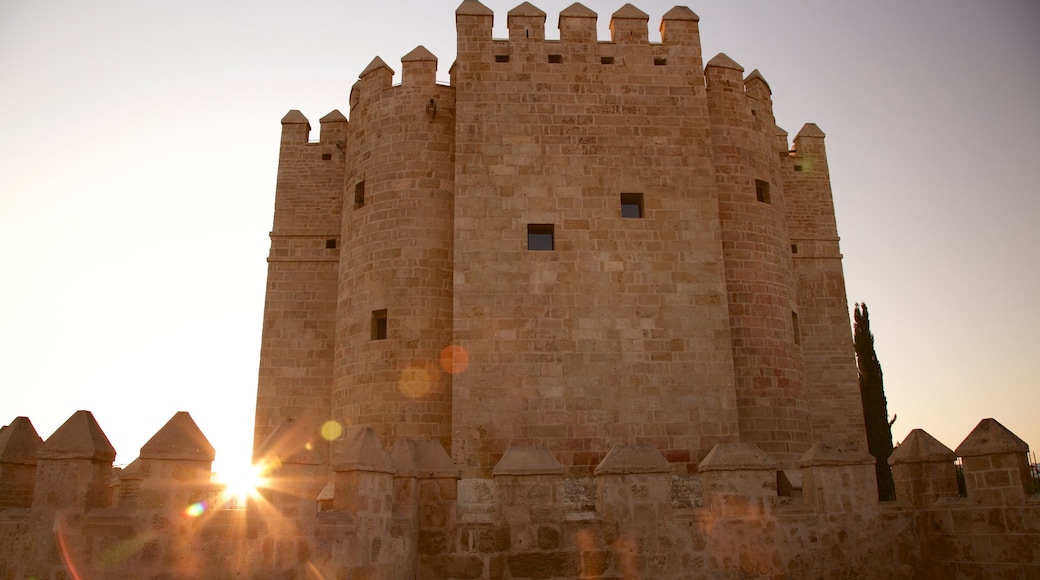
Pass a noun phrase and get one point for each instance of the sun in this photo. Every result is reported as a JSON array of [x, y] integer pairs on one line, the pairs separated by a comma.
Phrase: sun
[[240, 484]]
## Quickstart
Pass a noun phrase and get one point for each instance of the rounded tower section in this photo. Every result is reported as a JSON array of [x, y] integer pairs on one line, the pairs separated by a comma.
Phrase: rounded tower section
[[394, 312], [772, 407]]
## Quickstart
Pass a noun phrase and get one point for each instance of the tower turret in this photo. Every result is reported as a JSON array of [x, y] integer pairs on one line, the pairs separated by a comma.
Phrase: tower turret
[[831, 374], [395, 304], [771, 401]]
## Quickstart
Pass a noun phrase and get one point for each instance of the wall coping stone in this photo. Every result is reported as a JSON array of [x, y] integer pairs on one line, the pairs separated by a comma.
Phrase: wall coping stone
[[360, 450], [625, 459], [989, 437], [79, 437], [528, 461], [920, 447], [179, 439], [19, 442], [737, 457], [422, 459], [835, 453]]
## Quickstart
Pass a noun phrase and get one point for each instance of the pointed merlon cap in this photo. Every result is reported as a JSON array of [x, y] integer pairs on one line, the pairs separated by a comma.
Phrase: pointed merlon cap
[[376, 64], [419, 53], [989, 437], [426, 459], [360, 450], [578, 10], [473, 8], [79, 437], [736, 457], [528, 461], [333, 117], [291, 442], [624, 459], [723, 61], [527, 9], [836, 453], [757, 76], [179, 439], [920, 447], [629, 12], [294, 117], [681, 13], [19, 442], [810, 130]]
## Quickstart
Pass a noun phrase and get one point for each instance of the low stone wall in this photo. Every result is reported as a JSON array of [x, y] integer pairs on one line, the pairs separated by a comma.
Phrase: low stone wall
[[406, 514]]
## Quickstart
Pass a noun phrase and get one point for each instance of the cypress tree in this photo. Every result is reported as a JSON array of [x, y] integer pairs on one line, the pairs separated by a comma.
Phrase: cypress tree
[[875, 406]]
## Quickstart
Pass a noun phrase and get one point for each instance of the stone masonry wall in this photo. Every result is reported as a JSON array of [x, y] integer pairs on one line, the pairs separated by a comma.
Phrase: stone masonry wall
[[620, 333]]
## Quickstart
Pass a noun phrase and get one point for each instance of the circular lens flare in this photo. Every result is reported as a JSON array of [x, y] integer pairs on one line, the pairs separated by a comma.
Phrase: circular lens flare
[[454, 359], [330, 431], [415, 382], [195, 510]]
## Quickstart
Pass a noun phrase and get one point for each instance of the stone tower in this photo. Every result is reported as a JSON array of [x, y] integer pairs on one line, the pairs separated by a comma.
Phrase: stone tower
[[576, 244]]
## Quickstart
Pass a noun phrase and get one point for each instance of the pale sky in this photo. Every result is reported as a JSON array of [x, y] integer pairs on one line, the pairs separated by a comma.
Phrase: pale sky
[[139, 146]]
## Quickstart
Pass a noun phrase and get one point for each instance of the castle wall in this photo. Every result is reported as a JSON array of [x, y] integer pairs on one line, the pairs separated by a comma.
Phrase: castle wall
[[396, 257], [297, 346], [405, 514], [620, 333]]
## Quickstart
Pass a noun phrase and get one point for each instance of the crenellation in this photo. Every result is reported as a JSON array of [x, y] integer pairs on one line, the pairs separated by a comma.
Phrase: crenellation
[[629, 26], [526, 23]]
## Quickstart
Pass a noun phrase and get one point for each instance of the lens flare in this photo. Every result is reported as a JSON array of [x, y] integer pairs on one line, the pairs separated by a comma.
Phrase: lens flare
[[195, 510], [415, 381], [241, 484], [454, 359], [330, 431]]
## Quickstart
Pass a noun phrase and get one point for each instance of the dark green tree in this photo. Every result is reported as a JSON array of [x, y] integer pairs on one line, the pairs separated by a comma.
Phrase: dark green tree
[[875, 406]]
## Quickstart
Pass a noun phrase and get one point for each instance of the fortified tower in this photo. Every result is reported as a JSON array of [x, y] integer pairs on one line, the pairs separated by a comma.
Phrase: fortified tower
[[577, 244]]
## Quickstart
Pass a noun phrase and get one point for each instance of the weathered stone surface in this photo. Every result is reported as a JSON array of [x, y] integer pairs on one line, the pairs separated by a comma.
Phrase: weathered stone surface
[[179, 439], [989, 437], [528, 461]]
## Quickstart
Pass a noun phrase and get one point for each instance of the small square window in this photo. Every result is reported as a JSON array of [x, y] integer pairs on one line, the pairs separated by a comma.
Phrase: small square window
[[555, 58], [794, 248], [540, 237], [606, 60], [799, 168], [378, 324], [330, 244], [326, 156], [359, 194], [762, 191], [631, 205]]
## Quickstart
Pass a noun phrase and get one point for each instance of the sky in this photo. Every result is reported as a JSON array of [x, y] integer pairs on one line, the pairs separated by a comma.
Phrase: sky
[[138, 154]]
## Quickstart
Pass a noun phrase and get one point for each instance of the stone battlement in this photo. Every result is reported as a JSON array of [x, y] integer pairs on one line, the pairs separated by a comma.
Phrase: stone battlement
[[406, 513]]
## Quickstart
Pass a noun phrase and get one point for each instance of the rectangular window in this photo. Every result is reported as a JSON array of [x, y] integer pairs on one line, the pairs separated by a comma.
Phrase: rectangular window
[[501, 58], [540, 237], [797, 331], [330, 244], [555, 58], [631, 205], [378, 324], [326, 156], [660, 61], [359, 194], [799, 168], [606, 60], [762, 191]]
